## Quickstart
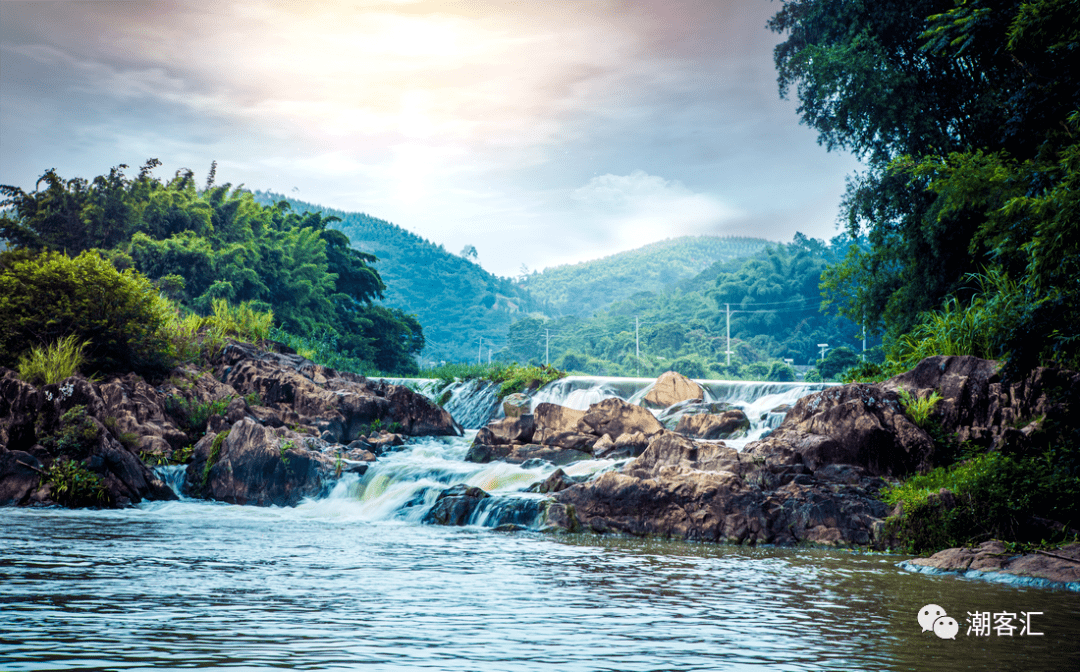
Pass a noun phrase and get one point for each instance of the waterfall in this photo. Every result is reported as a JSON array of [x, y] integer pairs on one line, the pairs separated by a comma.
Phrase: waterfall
[[173, 475], [473, 403]]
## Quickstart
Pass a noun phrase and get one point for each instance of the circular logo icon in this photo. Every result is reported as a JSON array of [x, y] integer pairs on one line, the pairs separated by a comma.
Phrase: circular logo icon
[[929, 614]]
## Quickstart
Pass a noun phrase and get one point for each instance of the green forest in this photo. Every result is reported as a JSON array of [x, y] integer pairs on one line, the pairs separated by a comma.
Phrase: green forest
[[774, 301], [200, 248], [457, 302], [966, 116], [582, 289]]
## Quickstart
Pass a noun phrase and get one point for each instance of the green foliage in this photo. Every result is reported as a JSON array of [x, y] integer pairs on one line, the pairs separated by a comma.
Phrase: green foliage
[[214, 456], [76, 434], [836, 361], [996, 495], [918, 409], [73, 485], [780, 372], [192, 416], [775, 315], [511, 377], [966, 115], [813, 376], [582, 289], [201, 249], [52, 363], [428, 285], [49, 296]]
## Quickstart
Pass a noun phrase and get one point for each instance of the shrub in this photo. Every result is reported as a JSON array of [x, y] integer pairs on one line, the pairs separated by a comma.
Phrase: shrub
[[73, 484], [48, 296], [996, 496], [76, 434], [52, 363], [919, 409]]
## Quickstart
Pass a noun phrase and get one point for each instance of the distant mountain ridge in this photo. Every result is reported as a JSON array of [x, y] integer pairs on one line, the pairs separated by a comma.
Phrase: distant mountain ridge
[[457, 302], [583, 288]]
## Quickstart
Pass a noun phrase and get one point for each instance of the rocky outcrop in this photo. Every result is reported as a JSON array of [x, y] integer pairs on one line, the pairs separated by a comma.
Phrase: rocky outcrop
[[249, 463], [816, 477], [290, 425], [992, 557], [727, 425], [707, 491], [455, 505], [561, 435], [671, 388]]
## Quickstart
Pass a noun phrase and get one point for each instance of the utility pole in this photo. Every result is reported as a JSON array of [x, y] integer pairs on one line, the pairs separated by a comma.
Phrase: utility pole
[[547, 345], [637, 345], [480, 350], [728, 348], [824, 347], [864, 335]]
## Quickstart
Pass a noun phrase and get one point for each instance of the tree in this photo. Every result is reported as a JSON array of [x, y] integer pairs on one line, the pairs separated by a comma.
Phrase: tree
[[469, 252], [899, 82]]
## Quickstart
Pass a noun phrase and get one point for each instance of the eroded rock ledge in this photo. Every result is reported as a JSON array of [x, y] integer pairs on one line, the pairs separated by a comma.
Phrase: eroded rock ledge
[[1061, 566], [274, 428]]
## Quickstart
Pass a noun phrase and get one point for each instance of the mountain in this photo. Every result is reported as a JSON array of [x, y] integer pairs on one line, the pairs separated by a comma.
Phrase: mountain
[[457, 302], [582, 289]]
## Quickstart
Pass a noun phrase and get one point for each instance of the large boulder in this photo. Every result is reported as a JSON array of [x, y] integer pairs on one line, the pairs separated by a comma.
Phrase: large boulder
[[726, 425], [455, 505], [253, 464], [615, 417], [859, 425], [671, 388], [707, 491]]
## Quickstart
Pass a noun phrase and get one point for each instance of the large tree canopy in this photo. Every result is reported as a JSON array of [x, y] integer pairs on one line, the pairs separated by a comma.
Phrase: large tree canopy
[[964, 113], [218, 243]]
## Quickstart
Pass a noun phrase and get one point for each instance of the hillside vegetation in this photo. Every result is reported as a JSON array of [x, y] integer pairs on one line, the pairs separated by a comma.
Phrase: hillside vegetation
[[455, 300], [199, 247], [582, 289], [774, 299]]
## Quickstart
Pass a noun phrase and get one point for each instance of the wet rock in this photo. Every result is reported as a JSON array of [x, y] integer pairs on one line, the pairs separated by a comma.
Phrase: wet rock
[[671, 388], [556, 482], [730, 424], [482, 453], [859, 425], [455, 505], [518, 429], [560, 426], [1061, 565], [616, 417], [20, 475], [253, 464], [553, 454], [516, 405]]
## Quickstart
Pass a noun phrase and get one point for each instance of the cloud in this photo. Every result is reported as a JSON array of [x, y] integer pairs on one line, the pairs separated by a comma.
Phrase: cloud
[[635, 209]]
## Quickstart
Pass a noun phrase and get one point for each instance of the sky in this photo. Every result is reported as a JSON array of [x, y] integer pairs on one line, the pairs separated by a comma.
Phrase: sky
[[542, 133]]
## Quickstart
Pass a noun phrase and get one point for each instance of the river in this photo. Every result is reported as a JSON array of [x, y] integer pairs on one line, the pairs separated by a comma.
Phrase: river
[[354, 580]]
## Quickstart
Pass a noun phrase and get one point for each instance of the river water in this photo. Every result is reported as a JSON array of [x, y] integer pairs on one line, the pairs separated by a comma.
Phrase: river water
[[355, 580]]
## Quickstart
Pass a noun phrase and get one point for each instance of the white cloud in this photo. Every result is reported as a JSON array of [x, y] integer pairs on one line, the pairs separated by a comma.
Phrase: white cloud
[[635, 209]]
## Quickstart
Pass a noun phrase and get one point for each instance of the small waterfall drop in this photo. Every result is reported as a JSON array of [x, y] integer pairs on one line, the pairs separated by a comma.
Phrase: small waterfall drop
[[174, 476]]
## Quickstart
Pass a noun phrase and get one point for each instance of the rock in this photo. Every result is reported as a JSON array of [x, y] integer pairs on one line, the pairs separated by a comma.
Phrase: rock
[[516, 405], [707, 491], [708, 426], [556, 482], [482, 453], [671, 388], [616, 417], [518, 429], [1059, 566], [455, 505], [560, 426], [859, 425], [553, 454], [20, 475], [257, 465]]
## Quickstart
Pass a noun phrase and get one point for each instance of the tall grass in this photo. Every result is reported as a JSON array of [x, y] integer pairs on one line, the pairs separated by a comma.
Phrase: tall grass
[[976, 328], [919, 409], [52, 363]]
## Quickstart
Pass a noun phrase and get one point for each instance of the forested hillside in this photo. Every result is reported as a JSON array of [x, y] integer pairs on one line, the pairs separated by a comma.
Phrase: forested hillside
[[582, 289], [457, 302], [775, 304]]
